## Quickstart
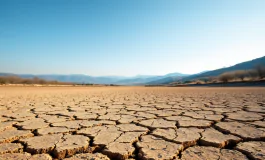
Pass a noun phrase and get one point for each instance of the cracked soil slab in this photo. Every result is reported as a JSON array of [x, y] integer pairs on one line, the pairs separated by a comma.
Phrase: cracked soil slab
[[151, 147], [255, 150], [211, 153]]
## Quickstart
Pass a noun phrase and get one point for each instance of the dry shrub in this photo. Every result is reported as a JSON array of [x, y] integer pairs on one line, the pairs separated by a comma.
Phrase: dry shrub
[[208, 79], [226, 77], [252, 74], [35, 80], [199, 82], [240, 74], [260, 69]]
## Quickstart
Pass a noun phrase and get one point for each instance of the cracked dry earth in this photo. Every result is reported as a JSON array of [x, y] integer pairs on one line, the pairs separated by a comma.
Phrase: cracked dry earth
[[142, 123]]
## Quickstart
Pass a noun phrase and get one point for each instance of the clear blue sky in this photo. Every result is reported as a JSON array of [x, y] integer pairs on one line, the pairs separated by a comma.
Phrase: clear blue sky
[[128, 37]]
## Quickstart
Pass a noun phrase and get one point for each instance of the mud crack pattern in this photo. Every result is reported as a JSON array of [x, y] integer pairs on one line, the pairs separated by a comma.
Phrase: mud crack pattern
[[141, 123]]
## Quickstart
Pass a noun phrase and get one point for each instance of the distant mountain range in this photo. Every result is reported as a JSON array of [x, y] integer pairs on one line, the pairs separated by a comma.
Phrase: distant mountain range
[[142, 79], [169, 78], [79, 78], [147, 80], [240, 66]]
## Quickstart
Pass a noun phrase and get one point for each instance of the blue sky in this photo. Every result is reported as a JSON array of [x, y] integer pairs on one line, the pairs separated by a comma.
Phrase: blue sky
[[128, 37]]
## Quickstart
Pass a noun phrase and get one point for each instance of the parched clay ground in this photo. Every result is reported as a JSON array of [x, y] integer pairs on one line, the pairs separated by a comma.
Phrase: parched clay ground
[[143, 123]]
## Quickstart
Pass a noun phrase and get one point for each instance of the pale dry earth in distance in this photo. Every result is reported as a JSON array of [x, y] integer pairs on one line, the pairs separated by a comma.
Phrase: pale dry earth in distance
[[117, 123]]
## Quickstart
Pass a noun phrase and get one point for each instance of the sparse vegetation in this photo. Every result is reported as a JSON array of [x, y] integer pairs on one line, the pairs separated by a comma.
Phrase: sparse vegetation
[[187, 82], [256, 74], [87, 84], [252, 74], [241, 74], [226, 77], [35, 80], [260, 71], [207, 79]]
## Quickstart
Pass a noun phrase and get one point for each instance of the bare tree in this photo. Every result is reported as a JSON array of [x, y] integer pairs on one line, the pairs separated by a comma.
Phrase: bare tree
[[252, 74], [241, 74], [225, 77], [260, 69]]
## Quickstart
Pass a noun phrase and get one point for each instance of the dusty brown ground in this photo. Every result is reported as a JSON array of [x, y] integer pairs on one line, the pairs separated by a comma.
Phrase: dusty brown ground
[[132, 123]]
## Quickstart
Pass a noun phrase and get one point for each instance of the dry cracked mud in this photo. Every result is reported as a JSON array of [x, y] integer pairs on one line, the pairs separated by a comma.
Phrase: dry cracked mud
[[141, 123]]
